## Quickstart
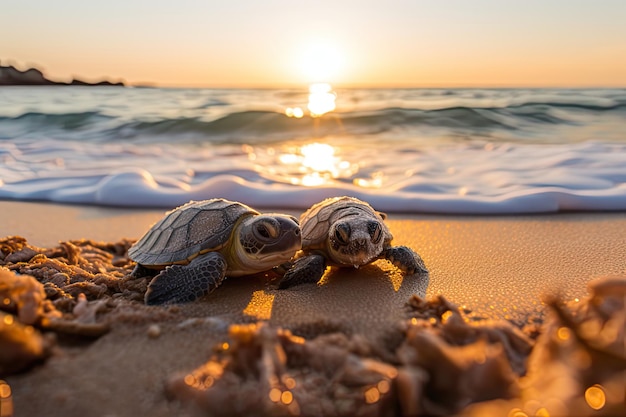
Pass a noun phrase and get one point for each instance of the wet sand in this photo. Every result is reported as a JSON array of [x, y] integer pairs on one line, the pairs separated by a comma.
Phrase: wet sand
[[492, 267]]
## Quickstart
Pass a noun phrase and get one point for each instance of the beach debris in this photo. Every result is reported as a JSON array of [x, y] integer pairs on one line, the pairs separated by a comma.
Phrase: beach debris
[[22, 295], [74, 267], [448, 323], [6, 400], [53, 287], [448, 362], [345, 232], [25, 297], [83, 322], [268, 371], [578, 366], [154, 331], [195, 246], [86, 285], [443, 364], [15, 249], [21, 345]]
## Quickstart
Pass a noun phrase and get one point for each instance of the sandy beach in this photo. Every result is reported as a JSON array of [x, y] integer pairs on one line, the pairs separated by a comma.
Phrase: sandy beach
[[477, 261], [498, 268]]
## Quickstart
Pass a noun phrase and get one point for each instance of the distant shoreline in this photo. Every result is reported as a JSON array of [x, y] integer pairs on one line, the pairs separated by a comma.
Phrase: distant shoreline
[[11, 76]]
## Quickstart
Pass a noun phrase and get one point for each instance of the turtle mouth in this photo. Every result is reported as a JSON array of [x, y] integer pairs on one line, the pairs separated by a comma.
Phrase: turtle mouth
[[357, 253], [358, 259], [276, 258]]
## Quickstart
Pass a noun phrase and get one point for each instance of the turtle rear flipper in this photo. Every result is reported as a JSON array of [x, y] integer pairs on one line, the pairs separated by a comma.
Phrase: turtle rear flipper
[[185, 283], [406, 259], [308, 269]]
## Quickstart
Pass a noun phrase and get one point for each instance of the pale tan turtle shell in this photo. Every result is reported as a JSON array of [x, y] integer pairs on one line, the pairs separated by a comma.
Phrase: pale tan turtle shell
[[316, 221]]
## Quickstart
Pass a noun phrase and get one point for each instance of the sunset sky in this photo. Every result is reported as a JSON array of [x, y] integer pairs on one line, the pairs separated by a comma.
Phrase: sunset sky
[[249, 43]]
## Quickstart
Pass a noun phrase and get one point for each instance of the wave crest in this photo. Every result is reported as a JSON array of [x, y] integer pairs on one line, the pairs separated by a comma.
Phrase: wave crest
[[264, 126]]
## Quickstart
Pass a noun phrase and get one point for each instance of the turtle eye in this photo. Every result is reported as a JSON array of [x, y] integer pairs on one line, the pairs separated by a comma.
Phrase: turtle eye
[[267, 229], [342, 233], [375, 231]]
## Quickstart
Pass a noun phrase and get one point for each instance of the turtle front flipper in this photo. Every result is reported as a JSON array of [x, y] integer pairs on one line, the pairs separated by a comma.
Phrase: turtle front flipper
[[141, 271], [406, 259], [185, 283], [305, 270]]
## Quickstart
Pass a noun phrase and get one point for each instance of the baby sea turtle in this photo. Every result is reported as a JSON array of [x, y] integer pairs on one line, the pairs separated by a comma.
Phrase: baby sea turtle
[[198, 244], [345, 231]]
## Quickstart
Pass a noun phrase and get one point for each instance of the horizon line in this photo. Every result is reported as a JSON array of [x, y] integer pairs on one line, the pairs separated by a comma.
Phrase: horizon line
[[365, 86], [335, 85]]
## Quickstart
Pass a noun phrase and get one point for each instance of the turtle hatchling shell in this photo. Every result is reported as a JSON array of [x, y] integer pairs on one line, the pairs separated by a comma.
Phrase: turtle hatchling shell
[[316, 221], [193, 228]]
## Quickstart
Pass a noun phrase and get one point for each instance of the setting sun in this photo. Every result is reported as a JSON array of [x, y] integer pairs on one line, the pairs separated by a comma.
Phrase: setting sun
[[320, 61]]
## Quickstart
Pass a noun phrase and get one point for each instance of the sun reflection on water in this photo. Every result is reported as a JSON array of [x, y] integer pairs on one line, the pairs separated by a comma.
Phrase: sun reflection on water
[[316, 164], [296, 112], [321, 100]]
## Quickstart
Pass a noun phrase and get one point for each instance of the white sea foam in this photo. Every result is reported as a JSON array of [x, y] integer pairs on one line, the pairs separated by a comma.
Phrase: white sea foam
[[455, 179]]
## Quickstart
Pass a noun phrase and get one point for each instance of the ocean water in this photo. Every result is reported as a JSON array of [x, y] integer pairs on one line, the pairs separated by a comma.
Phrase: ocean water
[[463, 151]]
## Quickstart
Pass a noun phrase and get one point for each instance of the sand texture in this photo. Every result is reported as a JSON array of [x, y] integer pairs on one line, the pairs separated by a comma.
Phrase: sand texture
[[478, 331]]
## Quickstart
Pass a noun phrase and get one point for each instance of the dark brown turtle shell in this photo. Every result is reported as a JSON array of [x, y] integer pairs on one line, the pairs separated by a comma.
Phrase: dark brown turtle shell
[[189, 230]]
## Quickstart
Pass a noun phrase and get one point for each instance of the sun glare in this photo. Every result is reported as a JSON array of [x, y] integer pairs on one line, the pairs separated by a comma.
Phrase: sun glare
[[320, 62], [321, 99], [317, 164]]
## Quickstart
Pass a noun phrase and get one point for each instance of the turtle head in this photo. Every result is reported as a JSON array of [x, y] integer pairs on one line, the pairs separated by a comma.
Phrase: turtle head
[[265, 241], [356, 240]]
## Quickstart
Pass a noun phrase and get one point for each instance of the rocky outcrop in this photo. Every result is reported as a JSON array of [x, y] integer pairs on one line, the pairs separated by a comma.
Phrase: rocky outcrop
[[9, 75]]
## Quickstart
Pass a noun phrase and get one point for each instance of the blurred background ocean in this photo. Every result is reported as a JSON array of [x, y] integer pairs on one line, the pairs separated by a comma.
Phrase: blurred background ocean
[[464, 151]]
